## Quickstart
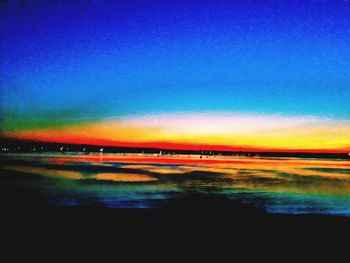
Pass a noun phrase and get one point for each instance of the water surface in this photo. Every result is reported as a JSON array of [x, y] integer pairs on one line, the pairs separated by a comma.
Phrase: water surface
[[272, 185]]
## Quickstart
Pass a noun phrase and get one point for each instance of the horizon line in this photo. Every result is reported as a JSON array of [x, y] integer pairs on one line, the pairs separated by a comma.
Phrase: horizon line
[[168, 146]]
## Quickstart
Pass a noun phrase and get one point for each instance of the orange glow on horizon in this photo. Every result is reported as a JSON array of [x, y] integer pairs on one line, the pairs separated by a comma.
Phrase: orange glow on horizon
[[205, 132]]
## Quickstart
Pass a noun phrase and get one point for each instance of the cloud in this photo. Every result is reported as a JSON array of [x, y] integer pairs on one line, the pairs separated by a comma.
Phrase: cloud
[[227, 123]]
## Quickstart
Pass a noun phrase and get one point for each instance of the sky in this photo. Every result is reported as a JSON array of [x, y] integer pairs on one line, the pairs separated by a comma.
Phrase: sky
[[268, 74]]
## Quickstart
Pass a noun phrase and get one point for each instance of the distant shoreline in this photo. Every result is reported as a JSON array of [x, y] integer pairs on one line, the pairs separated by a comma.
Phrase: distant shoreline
[[149, 157], [33, 147]]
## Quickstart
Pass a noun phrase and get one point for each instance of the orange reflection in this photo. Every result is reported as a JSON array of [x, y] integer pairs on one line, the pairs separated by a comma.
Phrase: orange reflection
[[44, 171], [156, 169], [124, 177]]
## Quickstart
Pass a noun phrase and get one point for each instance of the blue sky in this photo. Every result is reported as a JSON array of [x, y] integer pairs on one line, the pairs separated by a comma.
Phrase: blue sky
[[108, 58]]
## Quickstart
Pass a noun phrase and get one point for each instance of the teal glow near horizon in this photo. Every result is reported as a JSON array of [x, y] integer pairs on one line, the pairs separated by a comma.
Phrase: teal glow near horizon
[[96, 59]]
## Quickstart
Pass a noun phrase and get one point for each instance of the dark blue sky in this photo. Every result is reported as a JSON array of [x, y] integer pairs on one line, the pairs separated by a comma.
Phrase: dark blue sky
[[111, 58]]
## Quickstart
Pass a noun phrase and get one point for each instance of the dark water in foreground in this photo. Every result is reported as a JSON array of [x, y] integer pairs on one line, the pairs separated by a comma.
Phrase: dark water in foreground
[[272, 185]]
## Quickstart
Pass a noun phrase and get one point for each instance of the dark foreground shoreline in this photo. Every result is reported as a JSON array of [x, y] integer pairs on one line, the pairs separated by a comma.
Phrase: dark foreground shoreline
[[175, 230], [180, 224], [237, 219], [194, 211]]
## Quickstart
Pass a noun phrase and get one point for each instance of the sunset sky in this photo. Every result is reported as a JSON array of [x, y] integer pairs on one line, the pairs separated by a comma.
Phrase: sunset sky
[[270, 75]]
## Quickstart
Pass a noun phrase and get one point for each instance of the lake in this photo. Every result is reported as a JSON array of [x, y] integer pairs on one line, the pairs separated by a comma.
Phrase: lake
[[267, 185]]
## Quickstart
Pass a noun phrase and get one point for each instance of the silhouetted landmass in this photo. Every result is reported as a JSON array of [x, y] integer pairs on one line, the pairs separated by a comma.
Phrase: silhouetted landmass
[[21, 146]]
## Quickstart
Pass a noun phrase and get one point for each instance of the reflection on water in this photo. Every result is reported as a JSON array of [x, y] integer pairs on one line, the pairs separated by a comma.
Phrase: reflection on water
[[124, 177], [276, 185]]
